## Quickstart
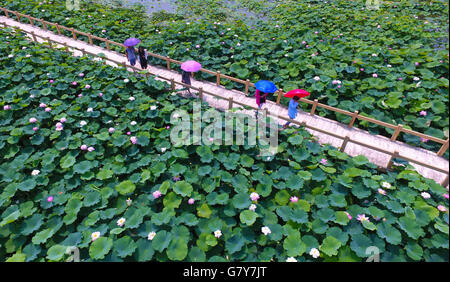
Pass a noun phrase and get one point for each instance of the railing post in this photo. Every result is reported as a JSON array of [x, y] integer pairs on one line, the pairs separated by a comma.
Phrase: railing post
[[6, 13], [355, 114], [34, 36], [313, 110], [58, 28], [280, 93], [107, 44], [73, 34], [445, 182], [172, 84], [18, 16], [230, 102], [218, 78], [44, 25], [90, 38], [397, 132], [391, 160], [168, 62], [443, 148], [124, 64], [83, 51], [49, 42], [344, 143], [200, 93], [247, 86]]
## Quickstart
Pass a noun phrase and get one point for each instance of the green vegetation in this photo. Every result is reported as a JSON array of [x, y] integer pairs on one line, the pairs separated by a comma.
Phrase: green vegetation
[[55, 195]]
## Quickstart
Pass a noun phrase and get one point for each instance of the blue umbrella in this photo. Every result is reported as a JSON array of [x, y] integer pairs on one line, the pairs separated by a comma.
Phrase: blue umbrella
[[266, 86], [131, 42]]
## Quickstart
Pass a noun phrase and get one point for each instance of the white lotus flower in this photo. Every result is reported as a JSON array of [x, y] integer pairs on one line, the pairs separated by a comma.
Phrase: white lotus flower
[[126, 80], [316, 78], [83, 123], [151, 235], [95, 236], [386, 185], [153, 108], [90, 110], [425, 195], [314, 253], [121, 222], [416, 78], [266, 230], [217, 233], [291, 259], [35, 172], [132, 98], [252, 207], [163, 149], [133, 122]]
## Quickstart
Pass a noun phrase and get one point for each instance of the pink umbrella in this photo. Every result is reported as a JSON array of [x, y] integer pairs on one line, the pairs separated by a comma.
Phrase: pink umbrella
[[191, 66]]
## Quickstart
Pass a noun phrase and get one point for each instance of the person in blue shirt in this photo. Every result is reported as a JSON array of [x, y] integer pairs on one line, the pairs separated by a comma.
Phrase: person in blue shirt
[[131, 55], [292, 111]]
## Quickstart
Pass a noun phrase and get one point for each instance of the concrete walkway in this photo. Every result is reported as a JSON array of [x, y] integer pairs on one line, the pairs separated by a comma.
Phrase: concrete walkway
[[351, 149]]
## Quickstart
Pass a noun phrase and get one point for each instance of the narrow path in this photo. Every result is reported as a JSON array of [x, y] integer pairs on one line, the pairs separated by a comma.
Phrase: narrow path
[[351, 149]]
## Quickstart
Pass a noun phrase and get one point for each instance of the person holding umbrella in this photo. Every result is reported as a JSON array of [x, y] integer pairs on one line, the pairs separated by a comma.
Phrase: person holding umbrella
[[130, 51], [265, 87], [187, 70], [295, 94]]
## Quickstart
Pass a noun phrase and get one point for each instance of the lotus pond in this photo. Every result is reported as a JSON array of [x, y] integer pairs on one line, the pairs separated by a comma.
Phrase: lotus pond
[[86, 161]]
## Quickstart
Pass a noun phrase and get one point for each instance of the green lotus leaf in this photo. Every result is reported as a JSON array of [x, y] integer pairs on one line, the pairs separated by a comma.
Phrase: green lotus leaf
[[124, 246], [56, 252], [248, 217], [330, 246], [183, 188], [125, 187], [100, 248]]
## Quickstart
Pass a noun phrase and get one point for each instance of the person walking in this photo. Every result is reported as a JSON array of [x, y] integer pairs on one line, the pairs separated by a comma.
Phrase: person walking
[[186, 78], [142, 57], [292, 110], [131, 55], [260, 100]]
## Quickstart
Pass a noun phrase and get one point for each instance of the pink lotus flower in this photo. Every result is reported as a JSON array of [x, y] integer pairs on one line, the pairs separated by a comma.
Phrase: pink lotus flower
[[324, 161], [42, 105], [87, 86], [6, 107], [424, 140], [157, 194], [442, 208], [197, 46], [90, 149], [294, 199], [400, 78], [111, 130], [362, 217], [254, 196], [35, 128], [133, 140], [48, 109], [339, 86], [423, 113], [81, 74], [191, 201], [361, 69], [80, 95], [445, 196], [100, 94], [63, 120], [50, 199], [32, 120], [59, 124], [74, 83], [51, 81], [83, 147], [128, 133], [349, 216], [416, 63], [167, 127], [381, 191], [375, 75], [303, 42]]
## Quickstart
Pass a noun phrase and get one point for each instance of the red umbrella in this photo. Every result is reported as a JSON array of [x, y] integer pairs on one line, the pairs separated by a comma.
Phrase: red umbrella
[[297, 92]]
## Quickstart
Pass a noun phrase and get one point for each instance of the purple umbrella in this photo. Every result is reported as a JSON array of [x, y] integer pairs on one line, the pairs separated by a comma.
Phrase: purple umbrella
[[131, 42], [191, 66]]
